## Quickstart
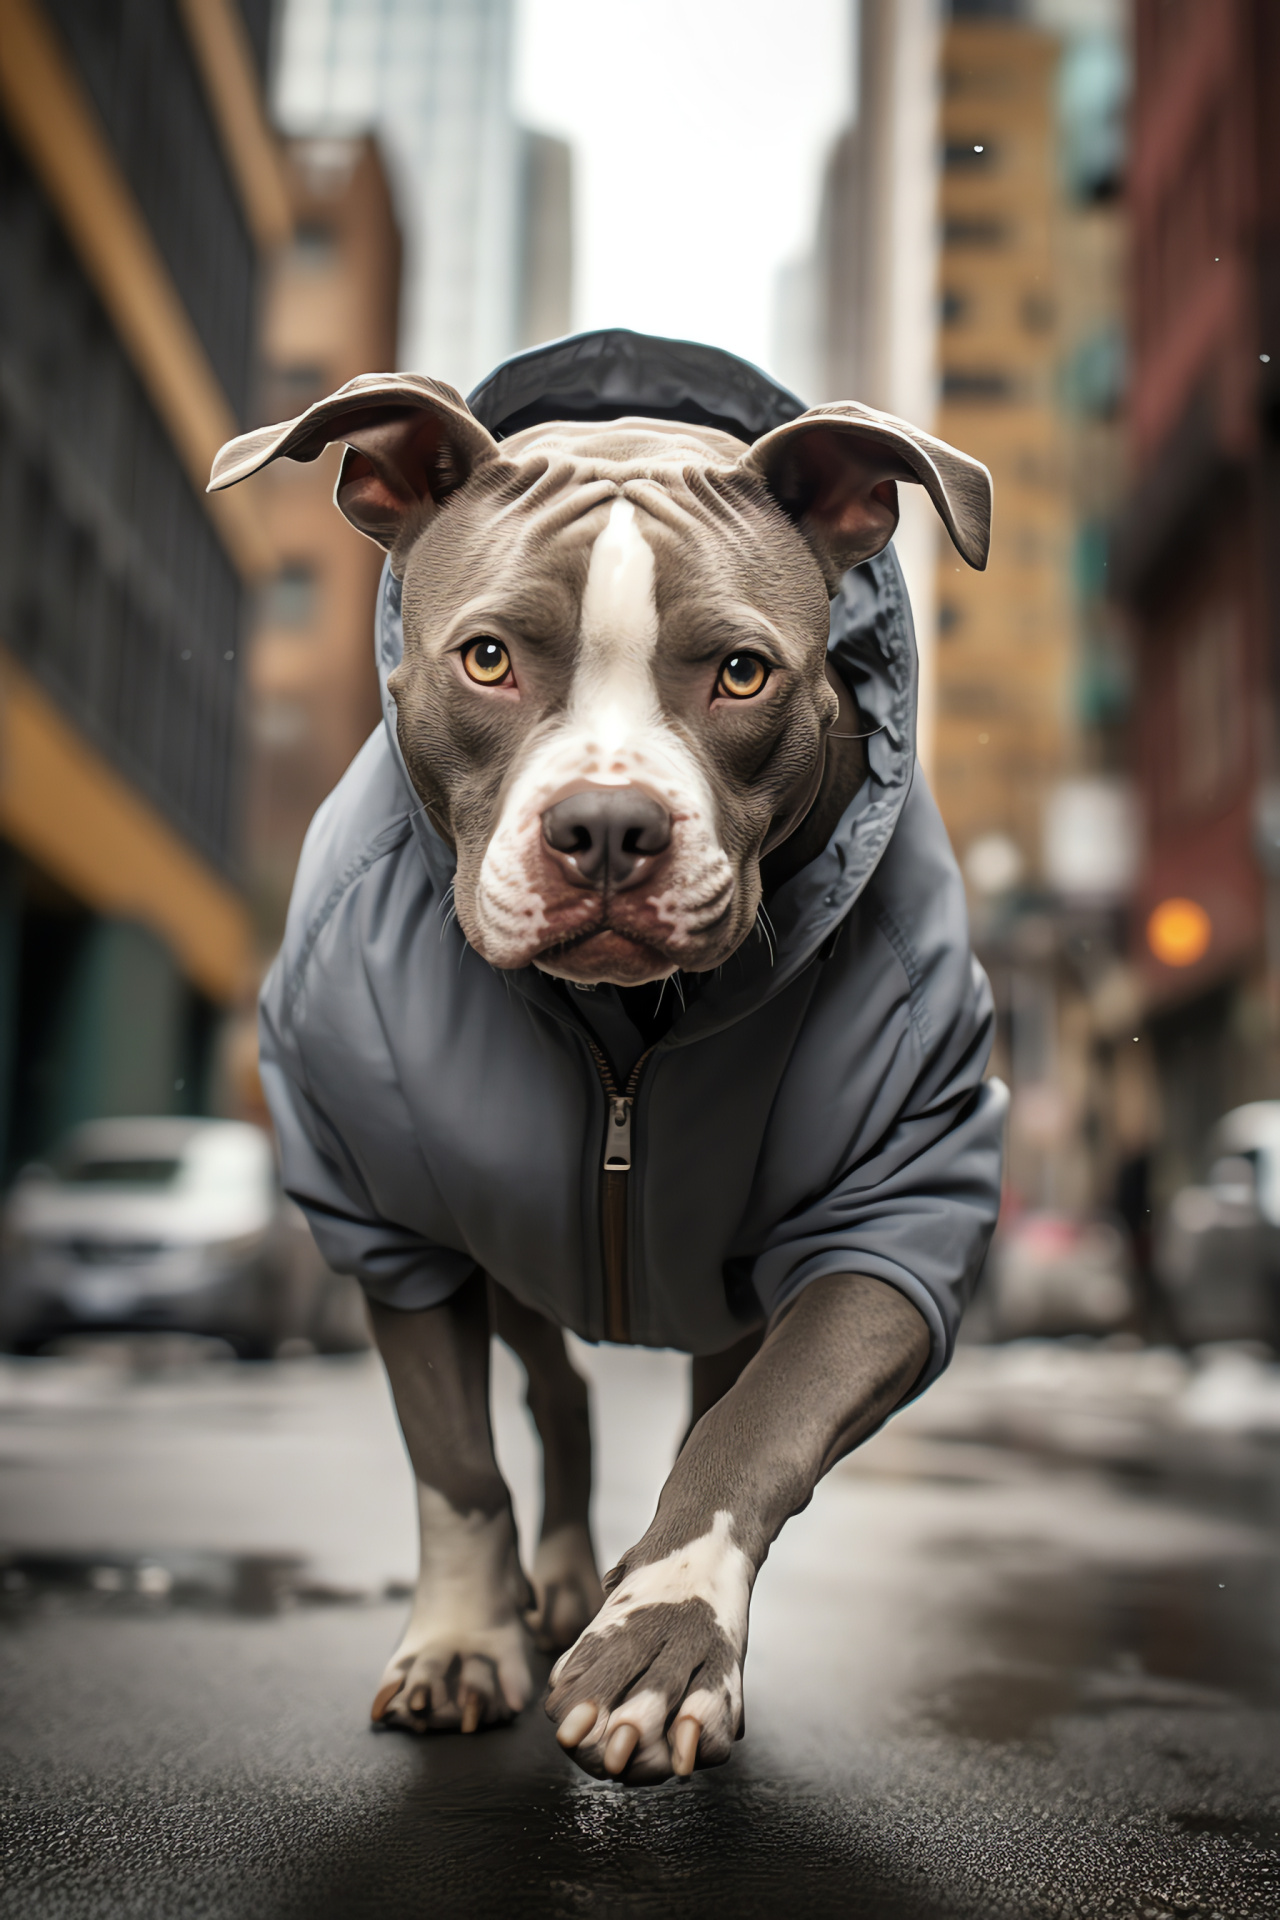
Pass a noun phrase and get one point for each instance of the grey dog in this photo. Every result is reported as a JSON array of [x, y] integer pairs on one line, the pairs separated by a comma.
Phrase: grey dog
[[627, 989]]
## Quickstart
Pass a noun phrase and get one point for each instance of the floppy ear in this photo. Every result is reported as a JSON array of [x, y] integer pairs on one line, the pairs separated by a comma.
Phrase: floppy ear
[[411, 442], [835, 471]]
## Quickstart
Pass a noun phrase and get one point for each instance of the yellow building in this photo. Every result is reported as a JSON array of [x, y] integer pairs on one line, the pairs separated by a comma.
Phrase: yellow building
[[1006, 647]]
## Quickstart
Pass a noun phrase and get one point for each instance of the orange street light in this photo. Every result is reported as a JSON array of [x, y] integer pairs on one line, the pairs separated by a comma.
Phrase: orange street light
[[1179, 932]]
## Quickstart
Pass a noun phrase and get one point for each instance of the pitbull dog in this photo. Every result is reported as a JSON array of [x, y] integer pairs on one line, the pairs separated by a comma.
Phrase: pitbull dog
[[613, 710]]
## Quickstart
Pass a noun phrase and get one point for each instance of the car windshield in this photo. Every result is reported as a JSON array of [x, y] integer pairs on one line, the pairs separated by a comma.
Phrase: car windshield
[[151, 1172]]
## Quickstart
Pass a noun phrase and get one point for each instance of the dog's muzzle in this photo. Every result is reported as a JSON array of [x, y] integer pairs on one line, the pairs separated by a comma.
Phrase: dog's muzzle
[[607, 838]]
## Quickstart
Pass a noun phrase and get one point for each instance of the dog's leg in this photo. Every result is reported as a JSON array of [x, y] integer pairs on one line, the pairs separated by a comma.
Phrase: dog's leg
[[464, 1659], [565, 1577], [654, 1685], [714, 1373]]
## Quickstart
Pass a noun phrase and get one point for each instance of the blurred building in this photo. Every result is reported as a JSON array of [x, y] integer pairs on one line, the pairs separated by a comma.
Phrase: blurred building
[[331, 312], [1031, 663], [866, 301], [434, 79], [1005, 709], [1200, 555], [138, 187], [544, 280]]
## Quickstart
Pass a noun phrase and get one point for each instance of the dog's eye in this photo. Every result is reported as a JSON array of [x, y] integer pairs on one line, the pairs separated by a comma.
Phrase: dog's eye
[[742, 675], [486, 661]]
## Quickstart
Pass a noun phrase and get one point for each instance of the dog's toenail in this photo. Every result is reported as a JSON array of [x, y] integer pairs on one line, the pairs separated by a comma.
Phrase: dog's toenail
[[383, 1698], [417, 1700], [684, 1746], [622, 1744], [472, 1706], [577, 1723]]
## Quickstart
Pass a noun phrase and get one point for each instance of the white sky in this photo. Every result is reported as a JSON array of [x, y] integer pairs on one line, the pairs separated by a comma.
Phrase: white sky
[[699, 129]]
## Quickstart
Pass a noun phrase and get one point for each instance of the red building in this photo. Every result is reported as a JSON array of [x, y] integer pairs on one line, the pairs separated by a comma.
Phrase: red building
[[1198, 563]]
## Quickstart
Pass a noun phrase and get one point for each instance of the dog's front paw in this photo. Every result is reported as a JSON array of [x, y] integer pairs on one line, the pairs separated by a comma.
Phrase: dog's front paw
[[567, 1586], [456, 1681], [654, 1685], [464, 1660]]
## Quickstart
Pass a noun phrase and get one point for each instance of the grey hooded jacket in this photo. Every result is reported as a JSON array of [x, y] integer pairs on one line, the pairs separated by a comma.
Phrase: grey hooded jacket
[[819, 1107]]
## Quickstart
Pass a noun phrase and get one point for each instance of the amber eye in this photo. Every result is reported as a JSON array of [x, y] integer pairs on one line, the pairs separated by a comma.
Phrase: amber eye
[[742, 675], [486, 661]]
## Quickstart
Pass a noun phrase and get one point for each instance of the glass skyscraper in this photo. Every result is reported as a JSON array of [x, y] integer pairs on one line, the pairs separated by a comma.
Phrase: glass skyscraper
[[432, 78]]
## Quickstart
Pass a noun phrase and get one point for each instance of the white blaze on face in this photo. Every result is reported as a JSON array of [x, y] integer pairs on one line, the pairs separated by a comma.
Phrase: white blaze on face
[[613, 693], [613, 733]]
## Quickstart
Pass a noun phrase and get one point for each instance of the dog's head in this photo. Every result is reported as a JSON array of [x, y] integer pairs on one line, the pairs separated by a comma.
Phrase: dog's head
[[613, 696]]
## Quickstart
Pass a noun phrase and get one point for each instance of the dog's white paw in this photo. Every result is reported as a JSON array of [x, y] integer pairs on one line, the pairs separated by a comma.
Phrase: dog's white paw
[[457, 1682], [567, 1587], [654, 1685], [464, 1660]]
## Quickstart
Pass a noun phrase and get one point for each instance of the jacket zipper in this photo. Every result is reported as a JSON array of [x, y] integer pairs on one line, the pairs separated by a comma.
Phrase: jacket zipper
[[614, 1175]]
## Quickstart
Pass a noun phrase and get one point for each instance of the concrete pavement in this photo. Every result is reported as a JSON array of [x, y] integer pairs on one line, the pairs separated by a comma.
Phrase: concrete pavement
[[1020, 1657]]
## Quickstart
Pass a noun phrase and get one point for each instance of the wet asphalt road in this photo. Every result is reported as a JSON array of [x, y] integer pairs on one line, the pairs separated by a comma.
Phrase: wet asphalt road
[[1021, 1657]]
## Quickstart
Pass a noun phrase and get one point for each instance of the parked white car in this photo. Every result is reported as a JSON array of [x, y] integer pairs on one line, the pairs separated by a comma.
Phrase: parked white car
[[1218, 1251], [181, 1225]]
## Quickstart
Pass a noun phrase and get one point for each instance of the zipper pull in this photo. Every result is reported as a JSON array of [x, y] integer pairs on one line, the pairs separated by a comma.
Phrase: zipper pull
[[617, 1140]]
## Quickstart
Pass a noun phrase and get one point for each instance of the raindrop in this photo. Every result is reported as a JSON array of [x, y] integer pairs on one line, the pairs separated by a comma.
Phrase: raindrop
[[1265, 359], [983, 739], [186, 653], [229, 656], [178, 1085], [977, 149]]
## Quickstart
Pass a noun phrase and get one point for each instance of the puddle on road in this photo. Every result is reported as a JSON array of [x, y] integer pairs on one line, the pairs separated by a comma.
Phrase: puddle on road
[[250, 1584], [1099, 1640]]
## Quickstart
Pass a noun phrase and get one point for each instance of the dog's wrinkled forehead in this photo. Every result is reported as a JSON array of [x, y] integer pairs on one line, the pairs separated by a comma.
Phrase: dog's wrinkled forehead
[[670, 503]]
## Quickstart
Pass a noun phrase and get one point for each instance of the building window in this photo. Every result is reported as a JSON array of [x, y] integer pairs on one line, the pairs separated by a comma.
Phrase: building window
[[969, 156], [968, 231], [976, 383], [292, 389], [290, 599]]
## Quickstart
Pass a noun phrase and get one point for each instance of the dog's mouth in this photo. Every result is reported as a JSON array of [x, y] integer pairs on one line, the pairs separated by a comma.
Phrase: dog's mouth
[[623, 950], [604, 953]]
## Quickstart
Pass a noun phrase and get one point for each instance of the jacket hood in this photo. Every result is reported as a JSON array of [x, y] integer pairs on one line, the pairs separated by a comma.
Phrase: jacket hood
[[607, 375]]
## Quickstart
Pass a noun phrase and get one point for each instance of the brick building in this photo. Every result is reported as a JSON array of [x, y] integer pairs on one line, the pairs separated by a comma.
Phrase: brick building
[[331, 313], [1199, 561]]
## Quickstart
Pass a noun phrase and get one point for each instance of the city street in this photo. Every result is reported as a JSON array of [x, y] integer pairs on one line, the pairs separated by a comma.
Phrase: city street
[[1019, 1658]]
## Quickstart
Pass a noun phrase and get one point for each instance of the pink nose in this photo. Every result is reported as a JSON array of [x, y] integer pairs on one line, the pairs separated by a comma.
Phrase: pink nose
[[607, 837]]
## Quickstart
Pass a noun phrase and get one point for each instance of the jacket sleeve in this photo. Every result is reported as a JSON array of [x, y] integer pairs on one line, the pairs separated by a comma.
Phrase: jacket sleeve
[[322, 1052], [909, 1135]]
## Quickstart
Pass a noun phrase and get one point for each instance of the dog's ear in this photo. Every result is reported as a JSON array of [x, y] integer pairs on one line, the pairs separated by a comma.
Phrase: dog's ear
[[835, 471], [411, 442]]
